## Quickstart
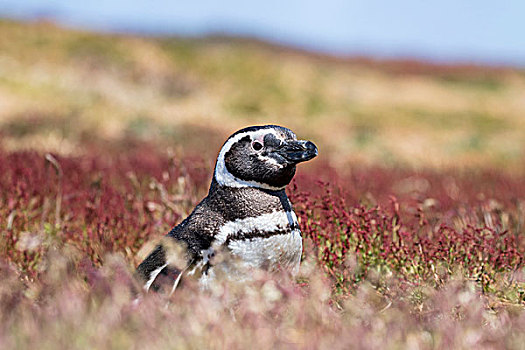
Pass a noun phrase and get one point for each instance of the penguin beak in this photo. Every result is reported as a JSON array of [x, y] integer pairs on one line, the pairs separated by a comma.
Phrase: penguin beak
[[298, 151]]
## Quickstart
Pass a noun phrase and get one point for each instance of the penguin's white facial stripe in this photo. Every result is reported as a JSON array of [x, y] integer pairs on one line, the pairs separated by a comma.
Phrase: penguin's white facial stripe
[[270, 160], [225, 178], [270, 222]]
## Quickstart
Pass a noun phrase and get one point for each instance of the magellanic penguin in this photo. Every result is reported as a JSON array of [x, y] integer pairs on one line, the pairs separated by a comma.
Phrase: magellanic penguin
[[246, 212]]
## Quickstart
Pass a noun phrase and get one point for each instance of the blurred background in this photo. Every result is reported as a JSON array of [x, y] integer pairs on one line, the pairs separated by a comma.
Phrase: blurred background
[[408, 83], [111, 117]]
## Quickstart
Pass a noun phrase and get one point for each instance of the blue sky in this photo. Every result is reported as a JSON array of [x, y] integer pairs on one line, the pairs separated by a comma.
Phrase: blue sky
[[478, 31]]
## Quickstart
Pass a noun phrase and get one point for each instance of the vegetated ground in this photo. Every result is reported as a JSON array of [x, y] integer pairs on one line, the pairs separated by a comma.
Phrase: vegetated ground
[[412, 215]]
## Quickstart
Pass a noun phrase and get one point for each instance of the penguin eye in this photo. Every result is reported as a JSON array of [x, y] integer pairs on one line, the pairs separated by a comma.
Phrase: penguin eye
[[256, 145]]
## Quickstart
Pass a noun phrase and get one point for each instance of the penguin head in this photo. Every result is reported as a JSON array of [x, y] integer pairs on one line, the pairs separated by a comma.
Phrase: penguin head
[[261, 156]]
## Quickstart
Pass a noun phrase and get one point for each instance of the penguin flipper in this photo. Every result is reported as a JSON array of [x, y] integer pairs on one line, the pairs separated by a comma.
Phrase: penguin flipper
[[157, 274], [166, 281]]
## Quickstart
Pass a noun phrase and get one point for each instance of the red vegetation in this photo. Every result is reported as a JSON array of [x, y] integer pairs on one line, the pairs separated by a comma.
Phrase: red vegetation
[[421, 226], [98, 205]]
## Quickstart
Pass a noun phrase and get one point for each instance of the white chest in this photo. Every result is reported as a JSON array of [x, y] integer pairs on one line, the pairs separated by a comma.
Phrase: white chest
[[264, 241], [269, 241], [270, 253]]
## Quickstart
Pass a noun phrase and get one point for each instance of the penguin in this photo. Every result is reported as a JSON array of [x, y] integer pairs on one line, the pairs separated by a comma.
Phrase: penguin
[[246, 214]]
